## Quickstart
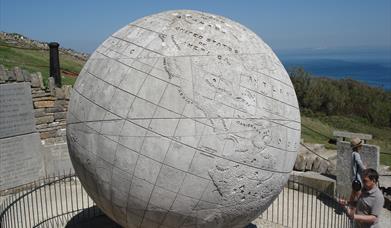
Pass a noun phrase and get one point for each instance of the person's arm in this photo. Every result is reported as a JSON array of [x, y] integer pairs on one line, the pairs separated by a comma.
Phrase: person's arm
[[370, 219], [375, 212], [359, 162]]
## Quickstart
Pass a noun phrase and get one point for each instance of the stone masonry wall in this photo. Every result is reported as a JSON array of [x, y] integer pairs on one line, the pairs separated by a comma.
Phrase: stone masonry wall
[[50, 104]]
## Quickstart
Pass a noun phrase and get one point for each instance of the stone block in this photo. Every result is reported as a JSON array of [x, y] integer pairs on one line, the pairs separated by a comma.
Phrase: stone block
[[41, 126], [67, 91], [52, 86], [48, 134], [35, 81], [40, 80], [61, 104], [26, 76], [18, 74], [38, 93], [3, 73], [320, 165], [44, 104], [46, 98], [54, 109], [60, 115], [54, 124], [11, 76], [39, 112], [61, 132], [310, 158], [59, 93], [44, 119], [300, 163]]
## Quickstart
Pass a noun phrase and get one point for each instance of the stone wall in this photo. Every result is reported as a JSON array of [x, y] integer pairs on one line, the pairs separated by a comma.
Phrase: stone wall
[[50, 104]]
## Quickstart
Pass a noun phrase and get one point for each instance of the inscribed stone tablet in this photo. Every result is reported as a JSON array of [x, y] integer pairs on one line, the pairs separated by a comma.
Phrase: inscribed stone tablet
[[20, 160], [16, 110]]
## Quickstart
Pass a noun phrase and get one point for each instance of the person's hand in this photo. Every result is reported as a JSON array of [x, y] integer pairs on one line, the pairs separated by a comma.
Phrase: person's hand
[[342, 201], [351, 213]]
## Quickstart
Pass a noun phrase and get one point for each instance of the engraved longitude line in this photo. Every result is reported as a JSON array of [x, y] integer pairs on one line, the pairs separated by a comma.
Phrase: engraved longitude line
[[165, 155], [196, 205], [121, 132], [161, 164], [116, 148], [130, 108], [176, 193]]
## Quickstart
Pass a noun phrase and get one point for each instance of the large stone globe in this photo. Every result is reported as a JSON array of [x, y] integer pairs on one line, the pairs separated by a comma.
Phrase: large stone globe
[[183, 119]]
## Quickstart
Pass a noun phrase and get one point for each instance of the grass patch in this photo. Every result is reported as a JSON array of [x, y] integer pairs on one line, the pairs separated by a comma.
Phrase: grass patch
[[325, 125], [38, 61]]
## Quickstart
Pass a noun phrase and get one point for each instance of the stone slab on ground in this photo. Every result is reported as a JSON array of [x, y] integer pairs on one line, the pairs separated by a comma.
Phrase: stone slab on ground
[[315, 180]]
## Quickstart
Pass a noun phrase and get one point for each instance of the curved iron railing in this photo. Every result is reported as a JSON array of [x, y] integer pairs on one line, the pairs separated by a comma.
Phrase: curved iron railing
[[59, 201]]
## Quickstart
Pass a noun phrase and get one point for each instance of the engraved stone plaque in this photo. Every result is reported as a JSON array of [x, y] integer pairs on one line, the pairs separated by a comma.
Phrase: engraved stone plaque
[[20, 160], [16, 110], [20, 145]]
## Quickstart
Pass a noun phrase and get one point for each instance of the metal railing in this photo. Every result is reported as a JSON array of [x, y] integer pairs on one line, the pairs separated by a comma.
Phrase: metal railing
[[59, 201], [303, 206], [48, 202]]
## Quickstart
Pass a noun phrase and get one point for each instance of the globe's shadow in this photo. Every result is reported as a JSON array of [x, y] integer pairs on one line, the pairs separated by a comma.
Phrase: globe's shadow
[[91, 217]]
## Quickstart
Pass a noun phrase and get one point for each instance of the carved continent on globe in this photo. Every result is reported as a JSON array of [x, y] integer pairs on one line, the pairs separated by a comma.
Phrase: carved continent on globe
[[183, 119]]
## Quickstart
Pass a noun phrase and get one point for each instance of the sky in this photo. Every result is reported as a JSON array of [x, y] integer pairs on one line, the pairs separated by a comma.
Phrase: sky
[[283, 24]]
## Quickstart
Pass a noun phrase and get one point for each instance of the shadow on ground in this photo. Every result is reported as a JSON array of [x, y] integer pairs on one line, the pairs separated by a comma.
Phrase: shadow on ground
[[91, 217]]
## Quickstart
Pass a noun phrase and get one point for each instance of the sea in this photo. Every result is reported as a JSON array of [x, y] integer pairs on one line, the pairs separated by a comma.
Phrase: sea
[[367, 65]]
